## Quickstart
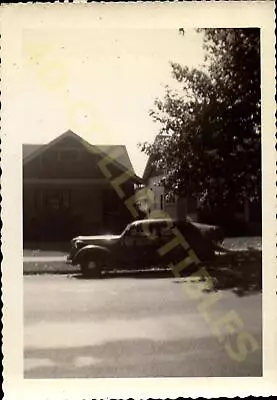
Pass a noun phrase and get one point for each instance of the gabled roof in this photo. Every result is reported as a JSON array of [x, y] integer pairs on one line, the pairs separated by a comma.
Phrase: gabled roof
[[31, 151], [30, 148], [123, 159], [150, 170]]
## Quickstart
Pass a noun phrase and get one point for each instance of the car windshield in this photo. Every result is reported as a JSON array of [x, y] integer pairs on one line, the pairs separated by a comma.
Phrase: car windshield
[[125, 230], [131, 229], [148, 228]]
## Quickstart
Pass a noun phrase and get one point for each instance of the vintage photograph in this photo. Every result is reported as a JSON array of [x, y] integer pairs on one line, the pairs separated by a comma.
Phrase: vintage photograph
[[141, 200], [142, 241]]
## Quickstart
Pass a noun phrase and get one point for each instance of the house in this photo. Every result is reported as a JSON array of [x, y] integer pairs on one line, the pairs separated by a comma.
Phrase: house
[[240, 219], [65, 192], [175, 206]]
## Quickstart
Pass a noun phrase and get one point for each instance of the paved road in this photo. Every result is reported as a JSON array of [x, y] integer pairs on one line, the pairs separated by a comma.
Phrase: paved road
[[130, 327]]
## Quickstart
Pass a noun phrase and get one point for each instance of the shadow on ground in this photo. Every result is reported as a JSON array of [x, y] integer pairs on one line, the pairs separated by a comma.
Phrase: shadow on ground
[[239, 271], [140, 357]]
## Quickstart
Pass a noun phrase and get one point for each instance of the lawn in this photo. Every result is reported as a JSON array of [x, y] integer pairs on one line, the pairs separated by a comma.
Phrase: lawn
[[242, 243]]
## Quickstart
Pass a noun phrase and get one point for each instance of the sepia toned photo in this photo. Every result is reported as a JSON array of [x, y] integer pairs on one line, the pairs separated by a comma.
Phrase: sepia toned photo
[[201, 185], [140, 153]]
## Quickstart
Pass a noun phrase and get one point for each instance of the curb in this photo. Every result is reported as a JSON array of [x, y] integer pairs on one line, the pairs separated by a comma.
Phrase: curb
[[48, 267]]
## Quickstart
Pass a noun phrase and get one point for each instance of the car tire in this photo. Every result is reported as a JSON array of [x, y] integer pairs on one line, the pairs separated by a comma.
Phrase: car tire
[[91, 269]]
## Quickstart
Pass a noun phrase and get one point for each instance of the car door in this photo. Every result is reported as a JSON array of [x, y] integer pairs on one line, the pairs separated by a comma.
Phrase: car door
[[161, 234], [137, 246], [153, 240]]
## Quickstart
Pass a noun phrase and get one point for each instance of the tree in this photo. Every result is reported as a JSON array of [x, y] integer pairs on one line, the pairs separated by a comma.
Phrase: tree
[[210, 140]]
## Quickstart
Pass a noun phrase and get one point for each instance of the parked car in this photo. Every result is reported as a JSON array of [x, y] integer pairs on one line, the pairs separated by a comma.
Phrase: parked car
[[137, 246]]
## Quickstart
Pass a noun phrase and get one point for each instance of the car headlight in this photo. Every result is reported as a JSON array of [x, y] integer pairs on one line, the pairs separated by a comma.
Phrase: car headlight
[[77, 243]]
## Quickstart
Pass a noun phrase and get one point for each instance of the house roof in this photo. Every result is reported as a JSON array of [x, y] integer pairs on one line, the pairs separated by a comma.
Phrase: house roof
[[150, 170], [30, 148], [31, 151], [124, 158]]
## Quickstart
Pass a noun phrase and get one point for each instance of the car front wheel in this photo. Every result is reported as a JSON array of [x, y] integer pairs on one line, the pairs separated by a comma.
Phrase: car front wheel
[[91, 269]]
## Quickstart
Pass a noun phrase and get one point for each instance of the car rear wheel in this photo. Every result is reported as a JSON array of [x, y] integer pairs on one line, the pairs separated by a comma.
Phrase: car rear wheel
[[91, 268]]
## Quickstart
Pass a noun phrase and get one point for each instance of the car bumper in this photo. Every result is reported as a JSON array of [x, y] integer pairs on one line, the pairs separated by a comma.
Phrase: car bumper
[[69, 260]]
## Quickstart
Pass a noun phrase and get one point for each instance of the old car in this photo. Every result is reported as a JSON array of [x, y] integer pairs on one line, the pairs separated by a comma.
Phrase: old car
[[139, 244]]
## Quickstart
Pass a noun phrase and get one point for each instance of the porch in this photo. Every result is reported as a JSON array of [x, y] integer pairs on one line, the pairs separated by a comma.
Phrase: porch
[[56, 210]]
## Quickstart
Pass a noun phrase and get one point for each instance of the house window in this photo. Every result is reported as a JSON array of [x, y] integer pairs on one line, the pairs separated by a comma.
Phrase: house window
[[161, 201], [170, 198], [57, 199], [66, 156]]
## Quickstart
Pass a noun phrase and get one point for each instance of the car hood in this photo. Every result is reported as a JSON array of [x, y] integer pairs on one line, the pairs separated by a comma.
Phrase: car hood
[[96, 238]]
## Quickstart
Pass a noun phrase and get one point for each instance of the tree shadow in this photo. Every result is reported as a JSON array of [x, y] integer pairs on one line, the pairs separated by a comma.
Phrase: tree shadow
[[239, 271], [140, 357], [157, 273]]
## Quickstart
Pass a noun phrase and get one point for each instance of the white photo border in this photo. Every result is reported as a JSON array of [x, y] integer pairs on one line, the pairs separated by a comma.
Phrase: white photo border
[[15, 18]]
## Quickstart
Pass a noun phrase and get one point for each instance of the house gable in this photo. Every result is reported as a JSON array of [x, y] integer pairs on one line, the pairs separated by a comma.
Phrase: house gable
[[69, 156], [151, 171]]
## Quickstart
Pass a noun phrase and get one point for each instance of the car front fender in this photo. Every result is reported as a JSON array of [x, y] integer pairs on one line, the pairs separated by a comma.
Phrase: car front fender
[[93, 252]]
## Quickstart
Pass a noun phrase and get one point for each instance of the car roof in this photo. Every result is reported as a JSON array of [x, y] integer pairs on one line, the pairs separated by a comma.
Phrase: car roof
[[154, 221]]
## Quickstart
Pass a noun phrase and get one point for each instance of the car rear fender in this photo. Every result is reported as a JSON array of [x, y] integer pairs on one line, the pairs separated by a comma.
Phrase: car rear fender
[[92, 252]]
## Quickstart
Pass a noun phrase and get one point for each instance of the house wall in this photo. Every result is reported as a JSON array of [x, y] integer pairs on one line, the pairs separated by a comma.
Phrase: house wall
[[80, 209], [153, 184], [245, 219], [161, 203], [176, 207], [57, 212], [66, 194]]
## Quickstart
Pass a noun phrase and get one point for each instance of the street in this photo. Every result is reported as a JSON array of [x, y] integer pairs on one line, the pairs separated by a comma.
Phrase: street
[[129, 326]]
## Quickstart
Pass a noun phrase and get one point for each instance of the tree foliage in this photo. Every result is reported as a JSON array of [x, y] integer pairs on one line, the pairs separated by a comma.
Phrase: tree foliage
[[210, 140]]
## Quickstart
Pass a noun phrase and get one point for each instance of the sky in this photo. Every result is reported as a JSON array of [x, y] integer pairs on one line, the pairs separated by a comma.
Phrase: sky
[[100, 83]]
